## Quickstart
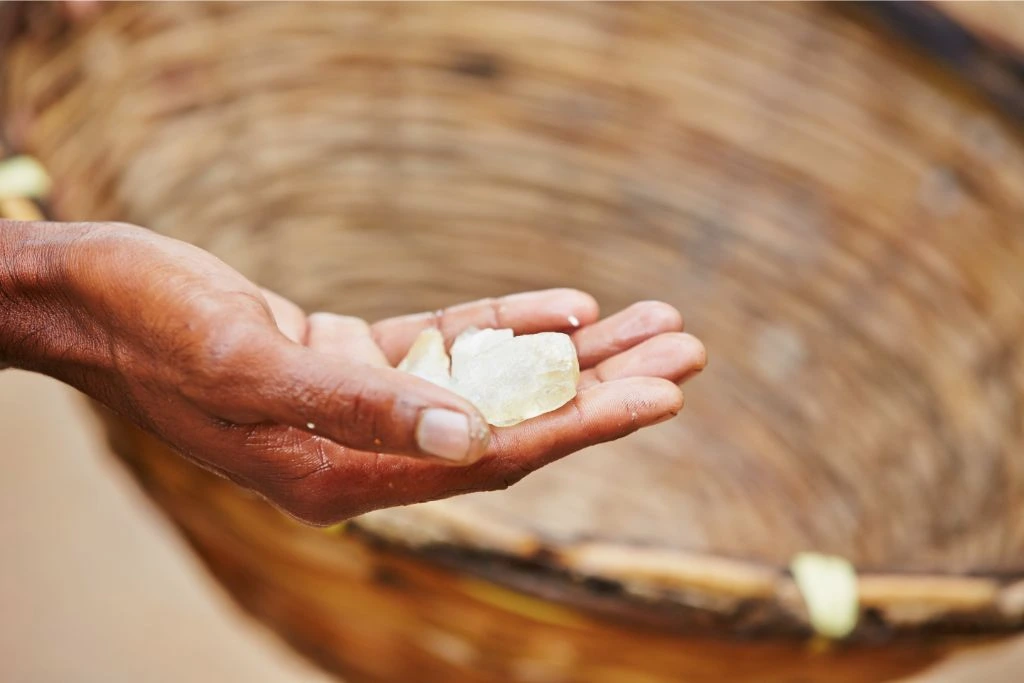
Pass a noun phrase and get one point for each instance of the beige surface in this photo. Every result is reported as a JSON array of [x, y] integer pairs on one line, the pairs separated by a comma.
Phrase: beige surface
[[95, 586]]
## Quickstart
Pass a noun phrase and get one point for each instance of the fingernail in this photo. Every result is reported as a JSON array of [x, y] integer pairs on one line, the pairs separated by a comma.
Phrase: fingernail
[[444, 434], [702, 353]]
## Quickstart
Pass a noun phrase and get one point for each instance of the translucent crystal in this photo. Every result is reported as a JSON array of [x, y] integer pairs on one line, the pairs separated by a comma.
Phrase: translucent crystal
[[427, 358], [508, 378], [473, 342]]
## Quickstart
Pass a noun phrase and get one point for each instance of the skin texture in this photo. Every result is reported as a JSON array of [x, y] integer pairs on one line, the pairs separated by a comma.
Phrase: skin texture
[[232, 376]]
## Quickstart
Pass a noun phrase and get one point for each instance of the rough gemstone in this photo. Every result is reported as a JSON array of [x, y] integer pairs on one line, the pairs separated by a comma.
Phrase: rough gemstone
[[472, 343], [509, 379], [427, 358]]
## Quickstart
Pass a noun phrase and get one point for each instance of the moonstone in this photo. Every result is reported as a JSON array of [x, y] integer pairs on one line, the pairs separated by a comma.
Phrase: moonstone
[[509, 379]]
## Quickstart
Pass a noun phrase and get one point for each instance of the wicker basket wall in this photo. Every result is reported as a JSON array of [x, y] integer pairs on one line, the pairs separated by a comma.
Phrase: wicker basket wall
[[837, 215]]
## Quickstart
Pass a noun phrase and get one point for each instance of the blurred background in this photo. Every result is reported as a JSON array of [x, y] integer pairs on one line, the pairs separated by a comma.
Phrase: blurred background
[[830, 193]]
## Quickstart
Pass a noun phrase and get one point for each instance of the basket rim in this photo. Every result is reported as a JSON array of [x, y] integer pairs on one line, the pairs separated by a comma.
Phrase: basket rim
[[721, 595]]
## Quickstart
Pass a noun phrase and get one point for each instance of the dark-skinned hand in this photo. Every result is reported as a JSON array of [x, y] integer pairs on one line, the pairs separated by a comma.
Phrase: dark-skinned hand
[[307, 410]]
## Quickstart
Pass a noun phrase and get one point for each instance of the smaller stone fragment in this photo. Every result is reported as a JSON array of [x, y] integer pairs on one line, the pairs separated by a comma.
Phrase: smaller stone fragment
[[828, 585], [23, 176], [427, 358]]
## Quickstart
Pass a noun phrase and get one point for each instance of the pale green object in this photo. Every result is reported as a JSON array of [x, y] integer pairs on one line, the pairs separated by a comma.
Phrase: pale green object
[[828, 585], [509, 379], [23, 176], [427, 358]]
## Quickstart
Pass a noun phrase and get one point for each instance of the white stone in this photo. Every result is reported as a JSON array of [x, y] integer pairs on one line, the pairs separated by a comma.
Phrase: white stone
[[509, 379], [828, 585], [472, 343], [23, 176], [427, 358], [519, 378]]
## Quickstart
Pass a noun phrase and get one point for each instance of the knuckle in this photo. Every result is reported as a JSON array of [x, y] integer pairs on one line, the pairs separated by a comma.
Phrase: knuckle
[[484, 313], [346, 397], [494, 312], [361, 410], [217, 356], [227, 350], [660, 315]]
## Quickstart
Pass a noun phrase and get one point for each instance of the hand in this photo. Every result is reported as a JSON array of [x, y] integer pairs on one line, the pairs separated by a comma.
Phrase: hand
[[307, 410]]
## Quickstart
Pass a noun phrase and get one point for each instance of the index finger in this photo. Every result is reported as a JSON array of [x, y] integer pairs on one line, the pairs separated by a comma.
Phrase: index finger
[[547, 310]]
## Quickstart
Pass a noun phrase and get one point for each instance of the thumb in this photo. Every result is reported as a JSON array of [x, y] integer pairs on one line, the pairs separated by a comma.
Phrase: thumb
[[367, 407]]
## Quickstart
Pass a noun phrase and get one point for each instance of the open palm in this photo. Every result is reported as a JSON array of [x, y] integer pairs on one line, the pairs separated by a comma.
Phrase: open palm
[[630, 362], [308, 410]]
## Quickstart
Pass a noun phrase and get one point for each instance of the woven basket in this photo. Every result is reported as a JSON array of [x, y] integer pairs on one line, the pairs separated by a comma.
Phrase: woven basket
[[837, 214]]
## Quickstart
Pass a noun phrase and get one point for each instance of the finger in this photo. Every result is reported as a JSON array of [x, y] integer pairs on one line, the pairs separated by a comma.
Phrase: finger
[[526, 313], [322, 483], [624, 330], [364, 407], [290, 319], [344, 336], [674, 356], [601, 413]]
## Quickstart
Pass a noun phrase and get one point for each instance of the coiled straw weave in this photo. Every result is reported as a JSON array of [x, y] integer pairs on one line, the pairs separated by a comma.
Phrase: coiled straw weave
[[837, 215]]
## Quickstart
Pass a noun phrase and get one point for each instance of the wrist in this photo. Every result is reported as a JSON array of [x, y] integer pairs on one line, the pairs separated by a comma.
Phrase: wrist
[[42, 326]]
